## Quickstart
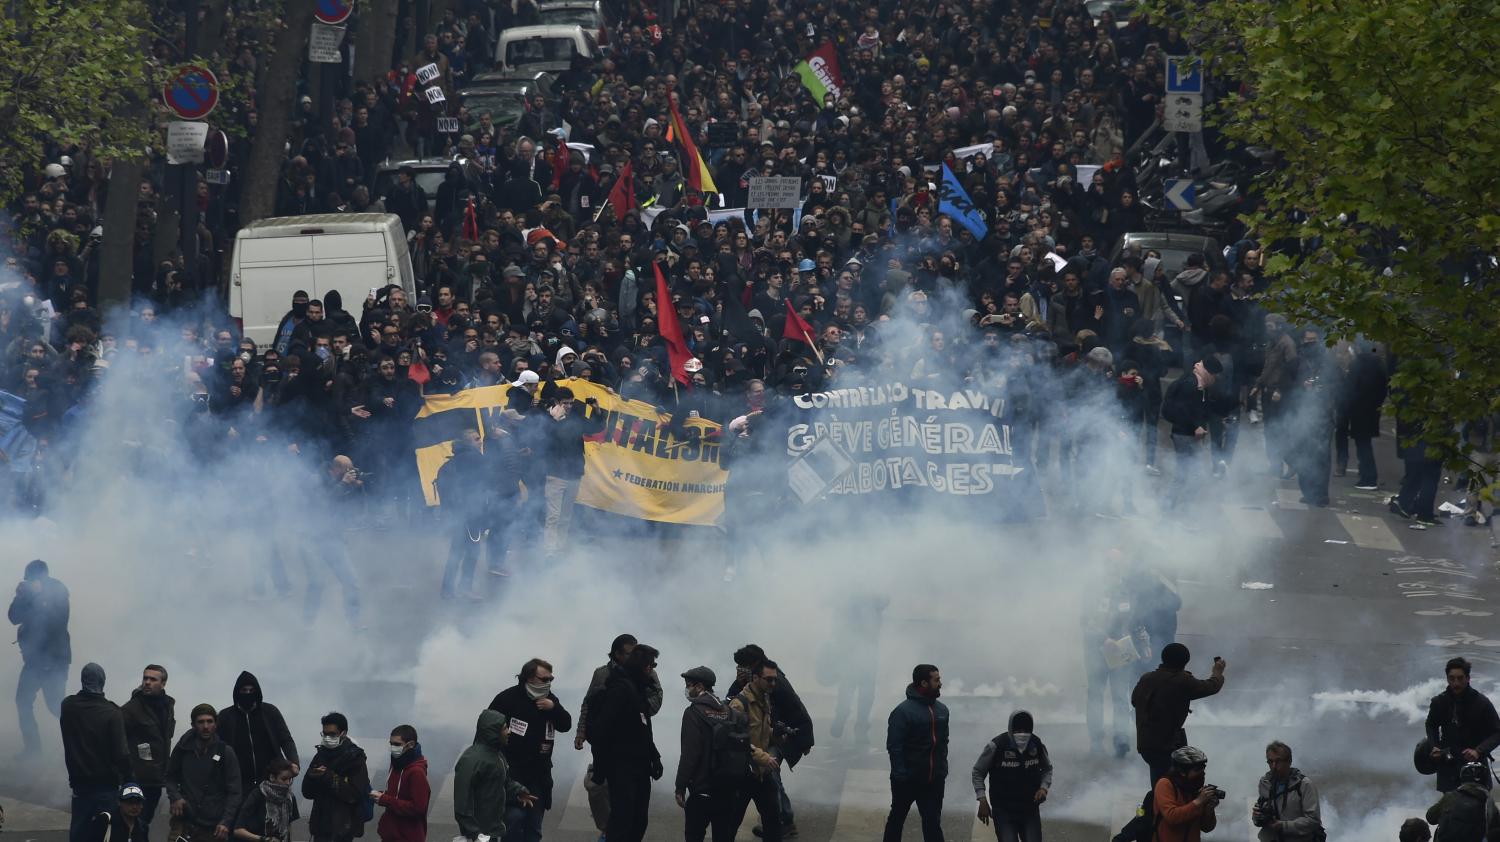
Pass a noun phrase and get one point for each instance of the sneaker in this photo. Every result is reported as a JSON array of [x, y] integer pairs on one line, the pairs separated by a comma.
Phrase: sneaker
[[1254, 416], [1395, 509], [1221, 468], [1370, 487], [1152, 470], [1428, 521]]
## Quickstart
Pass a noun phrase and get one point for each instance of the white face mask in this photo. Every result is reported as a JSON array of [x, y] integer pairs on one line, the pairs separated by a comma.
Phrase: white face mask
[[687, 692], [538, 690], [397, 751], [332, 741]]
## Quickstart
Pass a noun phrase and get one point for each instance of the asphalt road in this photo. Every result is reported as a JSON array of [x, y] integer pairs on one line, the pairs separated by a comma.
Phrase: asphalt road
[[1335, 622]]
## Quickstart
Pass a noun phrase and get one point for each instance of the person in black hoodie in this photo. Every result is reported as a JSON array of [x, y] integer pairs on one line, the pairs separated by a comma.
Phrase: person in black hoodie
[[150, 719], [203, 781], [256, 730], [338, 784], [625, 755], [93, 735], [535, 717], [1020, 775], [40, 611], [572, 422]]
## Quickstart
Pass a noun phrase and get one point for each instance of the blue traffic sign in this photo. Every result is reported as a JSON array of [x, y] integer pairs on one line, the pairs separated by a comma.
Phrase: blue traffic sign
[[192, 92], [333, 11], [1184, 75], [1180, 193]]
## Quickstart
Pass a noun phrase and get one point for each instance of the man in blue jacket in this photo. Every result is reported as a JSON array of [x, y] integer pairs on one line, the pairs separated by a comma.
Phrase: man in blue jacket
[[917, 740]]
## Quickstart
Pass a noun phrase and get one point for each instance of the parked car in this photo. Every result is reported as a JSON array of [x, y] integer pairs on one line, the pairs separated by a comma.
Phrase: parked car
[[535, 48], [503, 94], [429, 172], [588, 14], [1173, 246]]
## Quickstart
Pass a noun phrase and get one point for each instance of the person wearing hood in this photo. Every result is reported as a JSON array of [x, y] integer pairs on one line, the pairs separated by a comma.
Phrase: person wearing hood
[[535, 717], [203, 781], [256, 730], [40, 612], [407, 794], [93, 736], [338, 784], [150, 719], [1019, 770], [290, 322], [1467, 813], [1184, 285], [270, 807], [483, 790], [917, 741], [625, 755], [1286, 806]]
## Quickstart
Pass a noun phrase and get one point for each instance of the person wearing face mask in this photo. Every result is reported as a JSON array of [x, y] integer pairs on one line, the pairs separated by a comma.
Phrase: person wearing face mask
[[716, 758], [256, 730], [1020, 775], [289, 322], [535, 716], [337, 783], [407, 793], [203, 781], [270, 807]]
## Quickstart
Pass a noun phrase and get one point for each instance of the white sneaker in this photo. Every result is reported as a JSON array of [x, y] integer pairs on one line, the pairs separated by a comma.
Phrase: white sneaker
[[1254, 416], [1153, 470]]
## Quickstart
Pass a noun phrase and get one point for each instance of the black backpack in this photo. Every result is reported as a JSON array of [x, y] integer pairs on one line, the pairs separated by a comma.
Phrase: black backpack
[[1464, 819], [1142, 828], [729, 748]]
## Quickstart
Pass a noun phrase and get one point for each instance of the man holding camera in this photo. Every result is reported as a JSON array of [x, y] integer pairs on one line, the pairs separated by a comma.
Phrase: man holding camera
[[1461, 725], [1286, 806], [1183, 803]]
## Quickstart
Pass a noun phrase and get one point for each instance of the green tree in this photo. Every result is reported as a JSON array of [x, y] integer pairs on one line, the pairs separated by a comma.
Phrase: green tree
[[67, 66], [1386, 210]]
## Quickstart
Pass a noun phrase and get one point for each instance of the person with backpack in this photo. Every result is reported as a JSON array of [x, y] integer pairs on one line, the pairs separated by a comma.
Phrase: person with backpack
[[338, 785], [1286, 806], [1020, 775], [715, 762], [1468, 813], [536, 718], [916, 739], [754, 703], [1182, 805]]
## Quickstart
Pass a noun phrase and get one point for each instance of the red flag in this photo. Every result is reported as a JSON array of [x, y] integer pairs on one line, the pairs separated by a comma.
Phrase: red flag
[[695, 170], [471, 221], [796, 328], [622, 195], [670, 330], [560, 161]]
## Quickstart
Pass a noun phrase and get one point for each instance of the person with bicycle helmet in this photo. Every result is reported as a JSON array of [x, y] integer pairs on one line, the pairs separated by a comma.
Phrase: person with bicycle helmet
[[1184, 805], [1468, 813]]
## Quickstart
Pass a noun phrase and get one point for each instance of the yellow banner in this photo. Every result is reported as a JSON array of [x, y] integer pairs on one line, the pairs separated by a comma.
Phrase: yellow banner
[[631, 468]]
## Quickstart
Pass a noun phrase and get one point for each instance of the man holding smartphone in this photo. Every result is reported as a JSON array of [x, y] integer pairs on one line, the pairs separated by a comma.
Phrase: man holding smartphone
[[1161, 699]]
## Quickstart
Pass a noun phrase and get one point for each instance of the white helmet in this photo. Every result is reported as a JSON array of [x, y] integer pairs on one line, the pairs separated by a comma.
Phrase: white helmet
[[54, 171]]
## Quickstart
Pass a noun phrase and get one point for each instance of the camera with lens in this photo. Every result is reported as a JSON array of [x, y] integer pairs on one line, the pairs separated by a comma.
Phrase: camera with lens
[[1264, 811], [1218, 794]]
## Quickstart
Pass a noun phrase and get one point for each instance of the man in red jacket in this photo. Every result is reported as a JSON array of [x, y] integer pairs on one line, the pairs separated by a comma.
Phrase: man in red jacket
[[407, 792]]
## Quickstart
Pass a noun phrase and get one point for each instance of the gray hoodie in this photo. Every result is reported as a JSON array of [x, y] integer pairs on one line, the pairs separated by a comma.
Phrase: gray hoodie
[[1295, 811]]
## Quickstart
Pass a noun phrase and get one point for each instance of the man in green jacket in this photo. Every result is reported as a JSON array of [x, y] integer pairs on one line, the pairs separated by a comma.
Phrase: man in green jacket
[[482, 786]]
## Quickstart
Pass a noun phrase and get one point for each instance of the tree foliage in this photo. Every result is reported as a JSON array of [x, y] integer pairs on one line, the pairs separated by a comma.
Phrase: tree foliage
[[67, 67], [1386, 207]]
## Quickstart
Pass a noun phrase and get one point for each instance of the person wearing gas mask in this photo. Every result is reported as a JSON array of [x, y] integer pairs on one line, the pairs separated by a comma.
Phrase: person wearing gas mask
[[535, 718], [337, 782], [407, 794], [256, 730]]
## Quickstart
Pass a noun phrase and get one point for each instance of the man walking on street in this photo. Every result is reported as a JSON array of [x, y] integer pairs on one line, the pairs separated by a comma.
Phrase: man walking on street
[[150, 720], [93, 735], [715, 760], [625, 755], [1161, 699], [917, 741], [203, 781], [40, 610], [754, 701], [598, 791]]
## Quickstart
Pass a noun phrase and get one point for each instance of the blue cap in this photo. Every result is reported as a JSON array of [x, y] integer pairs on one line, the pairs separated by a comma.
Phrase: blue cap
[[805, 266]]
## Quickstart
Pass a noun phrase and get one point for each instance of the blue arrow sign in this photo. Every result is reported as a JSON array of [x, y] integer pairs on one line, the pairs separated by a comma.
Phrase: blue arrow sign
[[1184, 75], [1179, 193]]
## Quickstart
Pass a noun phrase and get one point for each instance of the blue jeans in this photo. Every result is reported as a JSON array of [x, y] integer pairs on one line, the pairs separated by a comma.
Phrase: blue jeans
[[1023, 826], [524, 824], [51, 681], [88, 802]]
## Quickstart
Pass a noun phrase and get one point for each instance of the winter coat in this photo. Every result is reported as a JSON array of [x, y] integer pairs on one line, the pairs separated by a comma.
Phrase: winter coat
[[1015, 774], [1455, 723], [696, 758], [1178, 817], [916, 739], [207, 776], [1368, 385], [93, 735], [258, 735], [406, 799], [1295, 814], [482, 785], [620, 726], [1467, 814], [596, 686], [533, 735], [252, 813], [1279, 368], [1161, 699], [43, 619], [338, 794], [1186, 407], [148, 735], [789, 711], [111, 827]]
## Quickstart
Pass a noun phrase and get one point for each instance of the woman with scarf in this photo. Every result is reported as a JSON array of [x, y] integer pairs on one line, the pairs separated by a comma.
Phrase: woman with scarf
[[407, 793], [270, 807]]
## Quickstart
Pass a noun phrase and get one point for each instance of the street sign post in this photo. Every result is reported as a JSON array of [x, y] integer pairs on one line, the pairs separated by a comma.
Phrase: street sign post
[[333, 11], [1183, 113], [191, 93], [1184, 75], [1180, 193]]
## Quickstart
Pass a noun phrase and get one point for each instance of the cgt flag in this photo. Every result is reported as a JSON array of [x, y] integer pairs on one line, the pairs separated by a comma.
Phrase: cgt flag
[[632, 467], [820, 73], [955, 202]]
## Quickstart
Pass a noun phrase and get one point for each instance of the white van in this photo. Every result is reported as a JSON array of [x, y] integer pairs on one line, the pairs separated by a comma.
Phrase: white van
[[551, 48], [348, 252]]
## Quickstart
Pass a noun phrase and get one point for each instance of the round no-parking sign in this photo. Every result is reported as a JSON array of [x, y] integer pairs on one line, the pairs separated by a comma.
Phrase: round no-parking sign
[[192, 92]]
